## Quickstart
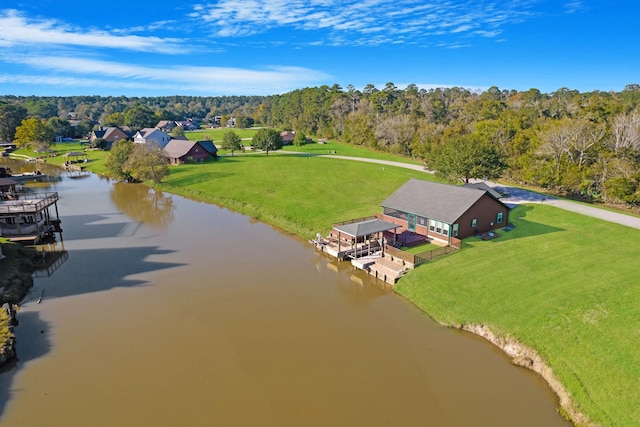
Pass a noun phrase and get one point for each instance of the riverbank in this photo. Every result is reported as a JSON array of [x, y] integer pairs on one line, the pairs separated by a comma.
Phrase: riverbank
[[551, 283], [528, 358], [15, 281]]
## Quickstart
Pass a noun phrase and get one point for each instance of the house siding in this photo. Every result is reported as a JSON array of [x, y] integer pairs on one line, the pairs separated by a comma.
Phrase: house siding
[[485, 211]]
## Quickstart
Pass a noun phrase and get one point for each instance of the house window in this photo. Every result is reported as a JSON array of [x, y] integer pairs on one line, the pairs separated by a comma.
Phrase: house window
[[422, 220], [499, 218], [474, 222], [432, 225], [454, 232], [390, 212]]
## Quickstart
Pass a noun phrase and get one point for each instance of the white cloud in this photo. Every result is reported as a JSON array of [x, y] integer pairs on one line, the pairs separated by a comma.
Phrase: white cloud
[[19, 31], [355, 21], [80, 72], [573, 6]]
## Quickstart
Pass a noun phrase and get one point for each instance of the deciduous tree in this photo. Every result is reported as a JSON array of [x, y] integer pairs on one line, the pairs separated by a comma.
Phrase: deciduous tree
[[267, 139], [147, 161], [34, 133], [10, 118], [231, 141], [117, 157]]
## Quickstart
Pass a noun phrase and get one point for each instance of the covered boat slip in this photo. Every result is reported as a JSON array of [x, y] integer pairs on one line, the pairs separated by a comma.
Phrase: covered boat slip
[[26, 217], [355, 239]]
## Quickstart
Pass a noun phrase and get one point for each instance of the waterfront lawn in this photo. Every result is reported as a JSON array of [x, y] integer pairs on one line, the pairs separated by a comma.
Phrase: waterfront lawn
[[56, 158], [349, 150], [300, 194], [217, 134], [561, 283]]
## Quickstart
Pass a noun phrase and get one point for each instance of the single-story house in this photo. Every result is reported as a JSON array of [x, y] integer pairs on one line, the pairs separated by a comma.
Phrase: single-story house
[[441, 211], [166, 125], [110, 134], [149, 135], [181, 151], [287, 137]]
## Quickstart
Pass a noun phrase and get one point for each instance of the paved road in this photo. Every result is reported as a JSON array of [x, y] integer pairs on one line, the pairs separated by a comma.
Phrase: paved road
[[519, 195]]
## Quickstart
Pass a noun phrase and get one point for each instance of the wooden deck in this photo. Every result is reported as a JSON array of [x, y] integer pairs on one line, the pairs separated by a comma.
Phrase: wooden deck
[[343, 250]]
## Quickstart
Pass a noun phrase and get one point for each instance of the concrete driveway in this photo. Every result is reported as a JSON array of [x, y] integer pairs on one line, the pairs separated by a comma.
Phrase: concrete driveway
[[518, 195]]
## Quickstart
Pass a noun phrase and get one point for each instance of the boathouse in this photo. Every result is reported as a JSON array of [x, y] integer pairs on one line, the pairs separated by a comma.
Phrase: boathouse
[[355, 238], [27, 217]]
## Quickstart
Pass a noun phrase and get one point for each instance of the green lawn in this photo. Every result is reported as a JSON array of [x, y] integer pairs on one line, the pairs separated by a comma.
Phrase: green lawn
[[217, 134], [562, 283], [95, 157], [300, 194]]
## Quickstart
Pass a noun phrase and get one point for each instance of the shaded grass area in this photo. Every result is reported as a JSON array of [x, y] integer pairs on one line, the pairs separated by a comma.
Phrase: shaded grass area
[[15, 272], [300, 194], [562, 283]]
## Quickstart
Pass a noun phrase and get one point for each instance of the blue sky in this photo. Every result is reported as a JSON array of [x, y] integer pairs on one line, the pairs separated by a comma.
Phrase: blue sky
[[265, 47]]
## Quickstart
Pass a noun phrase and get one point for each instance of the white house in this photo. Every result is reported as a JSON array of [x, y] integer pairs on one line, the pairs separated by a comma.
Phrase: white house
[[148, 135]]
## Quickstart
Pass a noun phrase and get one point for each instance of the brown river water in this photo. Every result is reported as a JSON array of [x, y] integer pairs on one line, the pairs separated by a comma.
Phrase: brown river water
[[169, 312]]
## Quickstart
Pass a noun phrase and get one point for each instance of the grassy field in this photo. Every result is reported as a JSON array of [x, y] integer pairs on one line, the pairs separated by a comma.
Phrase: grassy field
[[561, 283], [300, 194], [217, 134]]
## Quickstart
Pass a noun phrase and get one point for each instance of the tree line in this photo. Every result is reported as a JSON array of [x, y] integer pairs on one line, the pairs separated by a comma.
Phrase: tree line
[[578, 144], [583, 145]]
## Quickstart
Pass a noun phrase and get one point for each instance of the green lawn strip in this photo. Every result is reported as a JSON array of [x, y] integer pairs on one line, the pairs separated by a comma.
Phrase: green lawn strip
[[299, 194], [217, 134], [561, 283], [95, 158], [349, 150]]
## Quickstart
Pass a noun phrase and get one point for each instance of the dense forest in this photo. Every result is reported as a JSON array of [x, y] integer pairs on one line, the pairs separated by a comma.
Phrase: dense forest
[[583, 145]]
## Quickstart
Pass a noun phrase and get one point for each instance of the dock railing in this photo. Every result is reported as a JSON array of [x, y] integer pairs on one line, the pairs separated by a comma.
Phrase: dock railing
[[421, 258], [351, 221], [28, 203]]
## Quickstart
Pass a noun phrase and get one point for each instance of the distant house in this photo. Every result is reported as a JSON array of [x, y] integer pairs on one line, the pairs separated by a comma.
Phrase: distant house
[[151, 135], [189, 124], [442, 211], [182, 151], [287, 137], [166, 125], [110, 134]]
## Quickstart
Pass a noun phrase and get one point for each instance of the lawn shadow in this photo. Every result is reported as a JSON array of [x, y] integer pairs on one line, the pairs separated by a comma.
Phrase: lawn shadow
[[518, 227]]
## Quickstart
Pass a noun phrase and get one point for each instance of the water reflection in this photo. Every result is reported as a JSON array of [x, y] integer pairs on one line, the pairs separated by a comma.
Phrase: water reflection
[[143, 203]]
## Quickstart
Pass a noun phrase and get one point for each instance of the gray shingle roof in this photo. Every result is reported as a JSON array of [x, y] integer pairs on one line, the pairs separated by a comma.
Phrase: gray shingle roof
[[364, 228], [177, 148], [441, 202], [209, 146], [484, 186]]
